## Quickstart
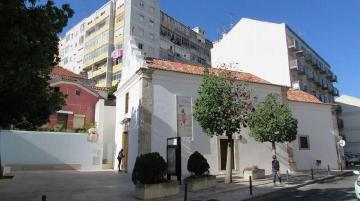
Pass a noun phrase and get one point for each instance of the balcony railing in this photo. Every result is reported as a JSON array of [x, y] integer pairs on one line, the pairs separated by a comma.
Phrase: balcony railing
[[299, 85], [309, 76], [330, 88], [308, 57], [294, 45], [334, 78], [297, 65], [324, 84], [317, 80], [335, 92], [322, 68]]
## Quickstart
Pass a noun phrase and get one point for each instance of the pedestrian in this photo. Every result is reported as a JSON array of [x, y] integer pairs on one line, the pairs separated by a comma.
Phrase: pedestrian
[[276, 169], [120, 156]]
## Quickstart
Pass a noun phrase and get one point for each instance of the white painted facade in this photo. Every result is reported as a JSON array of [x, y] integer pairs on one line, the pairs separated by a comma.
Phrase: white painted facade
[[105, 125], [256, 47], [22, 148], [71, 48], [277, 54], [350, 115], [165, 86], [315, 121]]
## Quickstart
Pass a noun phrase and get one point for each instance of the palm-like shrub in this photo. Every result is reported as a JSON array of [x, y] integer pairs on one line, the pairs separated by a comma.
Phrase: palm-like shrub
[[149, 169], [198, 165]]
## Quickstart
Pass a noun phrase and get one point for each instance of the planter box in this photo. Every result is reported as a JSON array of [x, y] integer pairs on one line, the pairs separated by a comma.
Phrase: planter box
[[201, 183], [255, 174], [151, 191]]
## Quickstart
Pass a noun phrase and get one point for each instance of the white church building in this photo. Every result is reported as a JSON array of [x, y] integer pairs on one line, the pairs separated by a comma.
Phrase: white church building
[[149, 98]]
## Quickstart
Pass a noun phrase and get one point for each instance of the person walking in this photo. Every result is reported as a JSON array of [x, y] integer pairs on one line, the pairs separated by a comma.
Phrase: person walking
[[275, 169], [120, 156]]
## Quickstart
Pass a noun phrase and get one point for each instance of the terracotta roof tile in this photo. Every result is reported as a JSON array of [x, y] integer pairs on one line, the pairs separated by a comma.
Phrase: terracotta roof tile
[[199, 70], [100, 88], [301, 96], [57, 70]]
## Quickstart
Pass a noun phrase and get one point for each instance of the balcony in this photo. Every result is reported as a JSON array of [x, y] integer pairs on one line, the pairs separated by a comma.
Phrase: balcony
[[334, 78], [314, 63], [308, 57], [335, 92], [97, 72], [324, 85], [299, 85], [340, 123], [330, 88], [317, 80], [322, 68], [297, 65], [309, 76], [294, 45]]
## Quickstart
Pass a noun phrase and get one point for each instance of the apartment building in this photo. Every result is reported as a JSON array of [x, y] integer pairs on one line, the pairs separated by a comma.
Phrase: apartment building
[[71, 48], [124, 30], [276, 53]]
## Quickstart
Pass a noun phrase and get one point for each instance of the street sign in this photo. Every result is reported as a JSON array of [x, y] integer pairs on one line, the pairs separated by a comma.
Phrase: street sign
[[342, 143]]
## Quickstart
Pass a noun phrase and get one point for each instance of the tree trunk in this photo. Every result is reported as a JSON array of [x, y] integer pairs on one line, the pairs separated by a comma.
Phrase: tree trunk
[[273, 148], [229, 161]]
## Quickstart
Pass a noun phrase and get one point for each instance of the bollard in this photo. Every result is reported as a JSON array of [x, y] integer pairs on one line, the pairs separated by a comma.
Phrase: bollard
[[328, 169], [312, 174], [186, 191], [43, 198], [250, 185], [287, 177]]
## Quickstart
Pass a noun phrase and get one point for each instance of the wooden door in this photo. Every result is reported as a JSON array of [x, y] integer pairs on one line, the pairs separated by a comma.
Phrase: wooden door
[[223, 154], [125, 145]]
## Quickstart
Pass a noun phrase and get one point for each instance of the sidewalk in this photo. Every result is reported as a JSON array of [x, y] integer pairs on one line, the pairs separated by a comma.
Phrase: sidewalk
[[114, 186], [239, 189]]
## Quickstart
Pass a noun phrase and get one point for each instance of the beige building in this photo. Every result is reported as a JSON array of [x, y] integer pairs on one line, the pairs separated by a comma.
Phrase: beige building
[[147, 32]]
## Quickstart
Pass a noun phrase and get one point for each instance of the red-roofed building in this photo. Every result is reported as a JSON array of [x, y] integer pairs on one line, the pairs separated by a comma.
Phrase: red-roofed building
[[153, 103], [81, 99]]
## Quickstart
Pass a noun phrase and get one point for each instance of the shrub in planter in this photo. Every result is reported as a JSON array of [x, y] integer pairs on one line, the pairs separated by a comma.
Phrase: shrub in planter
[[199, 168], [149, 169], [198, 165]]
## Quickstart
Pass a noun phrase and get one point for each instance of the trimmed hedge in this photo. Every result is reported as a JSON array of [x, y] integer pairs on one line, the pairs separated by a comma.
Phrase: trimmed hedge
[[149, 169], [198, 165]]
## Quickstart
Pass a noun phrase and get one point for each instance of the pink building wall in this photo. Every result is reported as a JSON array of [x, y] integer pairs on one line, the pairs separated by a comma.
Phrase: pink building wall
[[83, 104]]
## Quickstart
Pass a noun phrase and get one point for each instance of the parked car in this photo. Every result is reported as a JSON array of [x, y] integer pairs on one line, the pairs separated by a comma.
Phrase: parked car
[[357, 184], [351, 159]]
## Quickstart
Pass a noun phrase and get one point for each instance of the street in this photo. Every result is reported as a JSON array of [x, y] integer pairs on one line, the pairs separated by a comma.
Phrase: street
[[339, 188]]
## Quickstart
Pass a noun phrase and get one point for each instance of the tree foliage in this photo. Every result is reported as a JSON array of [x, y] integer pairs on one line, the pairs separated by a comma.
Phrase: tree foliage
[[272, 122], [222, 107], [223, 104], [111, 90], [29, 50]]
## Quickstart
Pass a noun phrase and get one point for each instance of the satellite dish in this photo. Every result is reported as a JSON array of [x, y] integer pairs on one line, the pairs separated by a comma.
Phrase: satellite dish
[[342, 143]]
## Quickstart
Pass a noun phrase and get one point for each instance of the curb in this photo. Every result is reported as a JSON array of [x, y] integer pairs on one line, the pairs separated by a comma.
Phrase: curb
[[264, 195]]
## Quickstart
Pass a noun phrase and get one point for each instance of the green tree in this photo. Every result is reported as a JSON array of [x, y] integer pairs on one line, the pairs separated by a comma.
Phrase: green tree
[[221, 109], [272, 122], [111, 90], [29, 49]]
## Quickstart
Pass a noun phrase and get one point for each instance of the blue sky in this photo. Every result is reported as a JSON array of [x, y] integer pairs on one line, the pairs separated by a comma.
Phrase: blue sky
[[331, 27]]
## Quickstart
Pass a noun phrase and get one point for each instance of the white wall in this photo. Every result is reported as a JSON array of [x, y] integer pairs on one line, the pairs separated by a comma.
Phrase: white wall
[[45, 148], [255, 47], [351, 117], [133, 87], [315, 121], [105, 124], [166, 85]]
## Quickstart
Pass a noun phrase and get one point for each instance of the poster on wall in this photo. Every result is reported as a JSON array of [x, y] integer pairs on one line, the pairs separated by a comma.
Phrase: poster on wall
[[184, 116]]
